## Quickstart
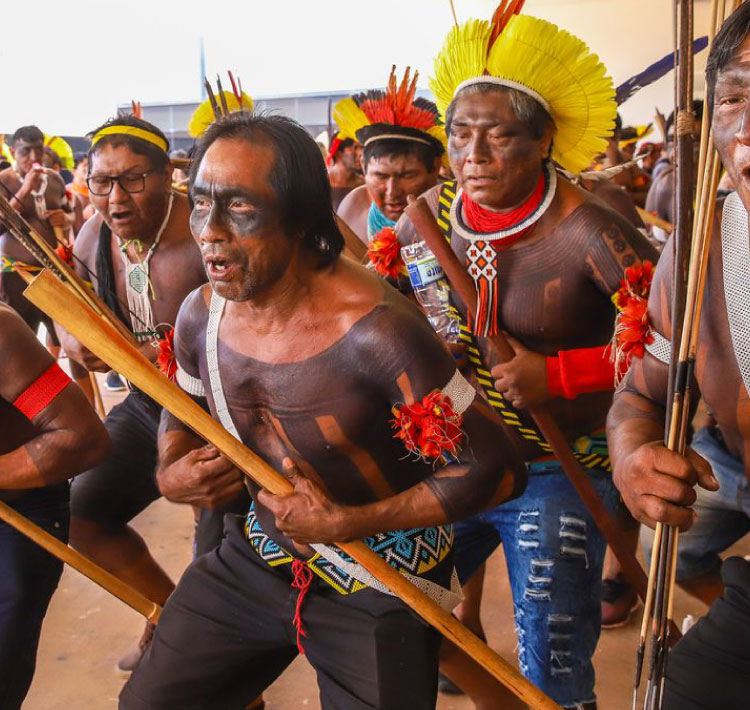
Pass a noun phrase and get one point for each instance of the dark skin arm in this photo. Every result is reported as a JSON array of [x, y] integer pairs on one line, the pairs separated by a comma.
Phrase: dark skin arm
[[656, 484], [191, 471], [71, 437]]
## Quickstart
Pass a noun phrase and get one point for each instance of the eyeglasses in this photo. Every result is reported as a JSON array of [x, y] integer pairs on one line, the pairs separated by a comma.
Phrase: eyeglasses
[[101, 185]]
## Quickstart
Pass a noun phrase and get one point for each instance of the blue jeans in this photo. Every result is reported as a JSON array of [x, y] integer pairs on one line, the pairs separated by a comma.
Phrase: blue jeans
[[723, 515], [554, 553], [28, 578]]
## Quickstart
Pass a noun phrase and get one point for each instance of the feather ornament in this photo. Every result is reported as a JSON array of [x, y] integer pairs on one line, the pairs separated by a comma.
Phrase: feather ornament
[[204, 115], [463, 56], [349, 118], [572, 80]]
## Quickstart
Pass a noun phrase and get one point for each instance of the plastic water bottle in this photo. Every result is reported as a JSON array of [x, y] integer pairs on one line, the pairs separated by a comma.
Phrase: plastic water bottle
[[431, 289]]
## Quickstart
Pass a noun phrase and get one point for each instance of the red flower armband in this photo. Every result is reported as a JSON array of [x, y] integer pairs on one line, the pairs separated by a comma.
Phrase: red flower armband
[[166, 359], [40, 393], [431, 428], [575, 372]]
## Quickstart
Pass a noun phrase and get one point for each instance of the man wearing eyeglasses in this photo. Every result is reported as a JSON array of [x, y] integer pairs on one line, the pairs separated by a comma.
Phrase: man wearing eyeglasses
[[38, 194], [138, 251]]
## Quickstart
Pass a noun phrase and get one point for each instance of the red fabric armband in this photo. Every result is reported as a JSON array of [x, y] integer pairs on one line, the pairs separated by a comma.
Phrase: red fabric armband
[[40, 393], [575, 372]]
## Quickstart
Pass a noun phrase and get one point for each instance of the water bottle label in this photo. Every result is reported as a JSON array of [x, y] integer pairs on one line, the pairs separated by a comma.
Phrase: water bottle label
[[423, 272]]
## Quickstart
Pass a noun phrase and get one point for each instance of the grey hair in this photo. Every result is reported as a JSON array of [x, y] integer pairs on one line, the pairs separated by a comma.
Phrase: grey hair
[[527, 109]]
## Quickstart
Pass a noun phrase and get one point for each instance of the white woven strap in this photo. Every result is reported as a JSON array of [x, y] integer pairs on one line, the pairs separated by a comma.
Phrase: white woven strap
[[191, 385], [659, 347], [735, 255], [447, 598], [460, 392]]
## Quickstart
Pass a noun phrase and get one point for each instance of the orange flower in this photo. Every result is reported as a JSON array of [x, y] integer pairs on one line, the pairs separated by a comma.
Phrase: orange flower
[[384, 252], [65, 253], [430, 428], [166, 359]]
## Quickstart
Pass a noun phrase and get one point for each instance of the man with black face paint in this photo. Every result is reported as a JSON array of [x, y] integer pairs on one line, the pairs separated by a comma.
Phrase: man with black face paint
[[546, 257], [314, 363], [656, 484], [38, 194], [138, 252]]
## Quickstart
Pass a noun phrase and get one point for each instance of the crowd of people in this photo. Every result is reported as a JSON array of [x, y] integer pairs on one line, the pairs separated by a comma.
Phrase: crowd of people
[[377, 390]]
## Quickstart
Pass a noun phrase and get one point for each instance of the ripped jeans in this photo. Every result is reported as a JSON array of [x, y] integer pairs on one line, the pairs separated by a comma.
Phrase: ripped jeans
[[554, 554]]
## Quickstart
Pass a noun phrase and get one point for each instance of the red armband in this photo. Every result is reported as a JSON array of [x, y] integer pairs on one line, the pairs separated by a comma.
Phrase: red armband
[[574, 372], [40, 393]]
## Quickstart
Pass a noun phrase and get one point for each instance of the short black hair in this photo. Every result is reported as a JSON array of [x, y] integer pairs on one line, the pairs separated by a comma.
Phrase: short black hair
[[27, 134], [731, 35], [527, 108], [425, 154], [158, 158], [298, 177]]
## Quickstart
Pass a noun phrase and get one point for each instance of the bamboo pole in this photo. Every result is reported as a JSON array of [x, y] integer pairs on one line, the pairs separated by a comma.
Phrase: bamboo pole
[[353, 244], [424, 222], [98, 402], [124, 592], [99, 337]]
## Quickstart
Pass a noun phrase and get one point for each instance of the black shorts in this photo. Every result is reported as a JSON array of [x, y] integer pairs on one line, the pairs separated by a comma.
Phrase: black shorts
[[12, 287], [28, 578], [124, 484], [226, 634]]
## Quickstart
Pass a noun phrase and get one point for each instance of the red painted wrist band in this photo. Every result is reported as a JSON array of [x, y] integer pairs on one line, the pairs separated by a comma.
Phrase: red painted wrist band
[[40, 393], [575, 372]]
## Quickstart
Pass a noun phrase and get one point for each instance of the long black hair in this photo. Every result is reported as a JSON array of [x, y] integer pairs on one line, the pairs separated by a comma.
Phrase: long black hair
[[299, 177]]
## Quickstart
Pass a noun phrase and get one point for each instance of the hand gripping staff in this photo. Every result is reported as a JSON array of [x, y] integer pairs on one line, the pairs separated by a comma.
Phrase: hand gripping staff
[[46, 292]]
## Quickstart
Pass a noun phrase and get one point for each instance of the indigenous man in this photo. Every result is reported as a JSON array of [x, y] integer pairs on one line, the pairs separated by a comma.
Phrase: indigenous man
[[546, 257], [344, 161], [401, 156], [138, 251], [311, 360], [38, 194], [659, 485], [49, 433]]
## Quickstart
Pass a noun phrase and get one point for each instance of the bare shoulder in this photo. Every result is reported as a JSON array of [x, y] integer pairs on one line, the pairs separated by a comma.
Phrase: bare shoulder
[[194, 310], [353, 204], [9, 178], [23, 356], [87, 241]]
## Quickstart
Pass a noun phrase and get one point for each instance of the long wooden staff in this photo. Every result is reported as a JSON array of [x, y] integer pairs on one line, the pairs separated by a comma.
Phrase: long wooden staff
[[118, 588], [685, 329], [427, 228], [98, 336]]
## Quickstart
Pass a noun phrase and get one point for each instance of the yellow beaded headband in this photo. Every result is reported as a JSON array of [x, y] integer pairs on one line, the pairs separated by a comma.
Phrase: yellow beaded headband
[[133, 131]]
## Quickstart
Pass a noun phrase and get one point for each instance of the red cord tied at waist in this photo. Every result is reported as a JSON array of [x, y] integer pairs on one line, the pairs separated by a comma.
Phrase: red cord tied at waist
[[303, 577]]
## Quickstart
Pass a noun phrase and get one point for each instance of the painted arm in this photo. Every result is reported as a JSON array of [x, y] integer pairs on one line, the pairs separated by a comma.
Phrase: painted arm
[[656, 484], [70, 437], [191, 471]]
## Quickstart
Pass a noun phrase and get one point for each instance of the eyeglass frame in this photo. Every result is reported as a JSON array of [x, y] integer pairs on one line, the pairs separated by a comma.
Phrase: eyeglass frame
[[116, 178]]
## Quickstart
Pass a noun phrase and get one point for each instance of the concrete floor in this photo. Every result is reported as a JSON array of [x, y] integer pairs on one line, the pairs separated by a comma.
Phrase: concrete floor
[[86, 631]]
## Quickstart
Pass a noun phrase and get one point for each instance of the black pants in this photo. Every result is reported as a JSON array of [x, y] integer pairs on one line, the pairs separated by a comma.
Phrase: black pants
[[124, 484], [28, 578], [226, 634], [12, 287]]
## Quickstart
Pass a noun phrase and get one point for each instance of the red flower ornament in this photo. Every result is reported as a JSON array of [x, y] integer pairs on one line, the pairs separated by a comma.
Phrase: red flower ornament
[[384, 253], [166, 359], [430, 428], [632, 327]]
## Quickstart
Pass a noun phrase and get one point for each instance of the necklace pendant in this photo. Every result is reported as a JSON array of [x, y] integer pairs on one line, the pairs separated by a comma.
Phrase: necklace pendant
[[137, 279]]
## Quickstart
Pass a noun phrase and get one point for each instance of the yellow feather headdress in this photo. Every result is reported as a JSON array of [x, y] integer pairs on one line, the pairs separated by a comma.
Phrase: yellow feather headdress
[[393, 113], [63, 150], [218, 104], [545, 62]]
